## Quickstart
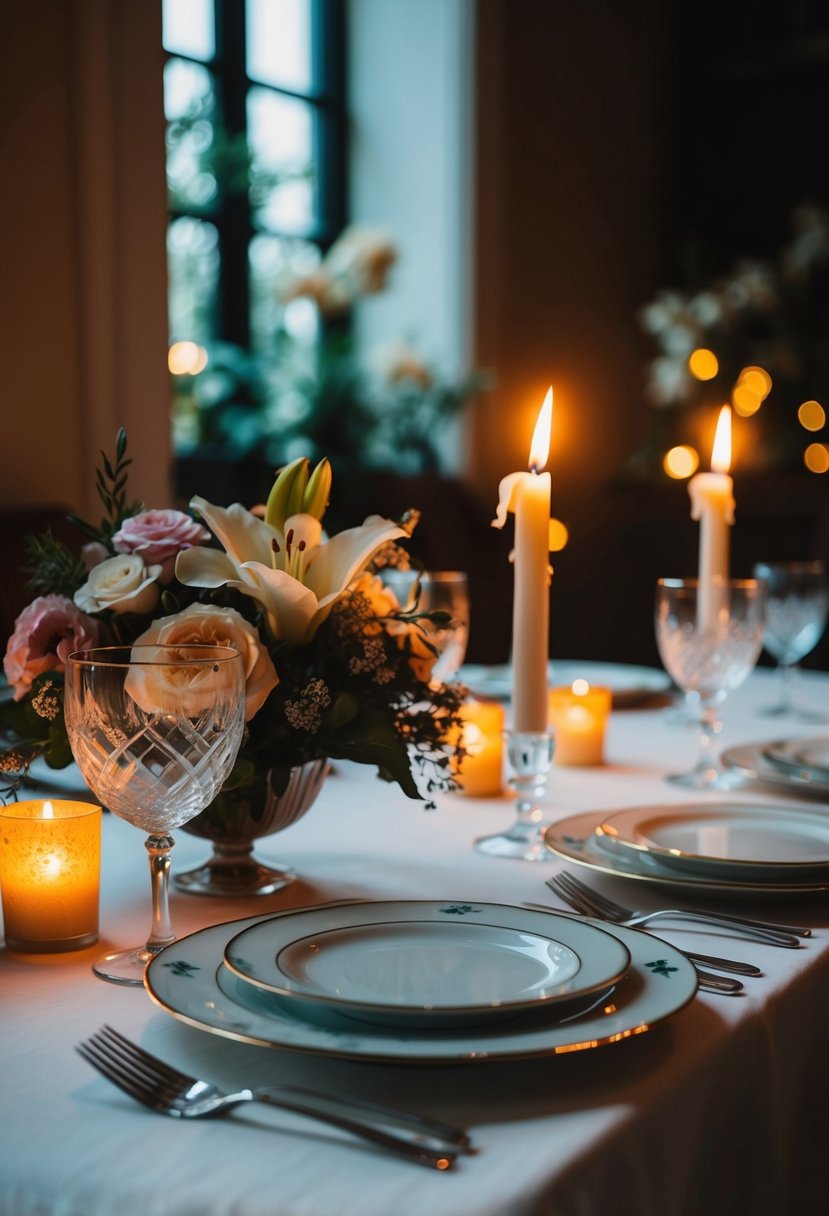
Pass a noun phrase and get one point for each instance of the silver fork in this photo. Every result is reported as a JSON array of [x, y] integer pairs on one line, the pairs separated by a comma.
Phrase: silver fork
[[760, 931], [713, 983], [583, 901], [170, 1092]]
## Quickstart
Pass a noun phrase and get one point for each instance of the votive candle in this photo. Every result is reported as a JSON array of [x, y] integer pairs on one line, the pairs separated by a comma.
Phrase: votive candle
[[482, 771], [578, 717], [50, 865]]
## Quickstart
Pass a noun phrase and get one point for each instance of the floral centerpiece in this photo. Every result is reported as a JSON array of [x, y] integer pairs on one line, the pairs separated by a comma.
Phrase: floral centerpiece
[[335, 668]]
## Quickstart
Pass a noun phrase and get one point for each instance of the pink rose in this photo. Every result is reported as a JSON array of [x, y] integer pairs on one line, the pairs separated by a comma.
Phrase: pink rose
[[45, 634], [157, 536]]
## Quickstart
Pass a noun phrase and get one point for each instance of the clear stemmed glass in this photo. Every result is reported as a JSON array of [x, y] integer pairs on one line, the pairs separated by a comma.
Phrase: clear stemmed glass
[[155, 731], [444, 591], [710, 657], [797, 607]]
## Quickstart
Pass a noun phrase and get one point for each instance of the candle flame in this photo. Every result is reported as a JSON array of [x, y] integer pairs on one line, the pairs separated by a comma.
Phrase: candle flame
[[48, 811], [721, 452], [580, 688], [540, 446]]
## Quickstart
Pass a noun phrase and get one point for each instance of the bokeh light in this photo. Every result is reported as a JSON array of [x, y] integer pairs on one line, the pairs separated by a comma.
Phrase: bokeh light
[[186, 359], [745, 399], [703, 364], [681, 461], [811, 415], [816, 458], [558, 535], [756, 378]]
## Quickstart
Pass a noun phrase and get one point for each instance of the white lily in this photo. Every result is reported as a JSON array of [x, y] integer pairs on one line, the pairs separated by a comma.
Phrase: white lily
[[295, 574]]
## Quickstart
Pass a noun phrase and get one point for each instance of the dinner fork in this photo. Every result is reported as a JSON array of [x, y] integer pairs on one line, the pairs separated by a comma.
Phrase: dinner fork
[[170, 1092], [607, 909]]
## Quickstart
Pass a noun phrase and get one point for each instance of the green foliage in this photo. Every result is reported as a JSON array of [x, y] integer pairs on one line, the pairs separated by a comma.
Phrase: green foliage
[[52, 568], [111, 485]]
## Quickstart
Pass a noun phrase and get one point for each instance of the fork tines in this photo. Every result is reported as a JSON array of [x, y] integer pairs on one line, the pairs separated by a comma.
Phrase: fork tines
[[130, 1067]]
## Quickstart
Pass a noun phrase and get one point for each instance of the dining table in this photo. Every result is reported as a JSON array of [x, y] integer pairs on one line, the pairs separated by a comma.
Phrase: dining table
[[722, 1107]]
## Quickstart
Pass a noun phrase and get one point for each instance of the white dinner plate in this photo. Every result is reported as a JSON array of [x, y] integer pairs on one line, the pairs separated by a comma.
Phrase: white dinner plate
[[426, 963], [729, 840], [574, 839], [630, 685], [750, 762], [189, 981], [807, 757]]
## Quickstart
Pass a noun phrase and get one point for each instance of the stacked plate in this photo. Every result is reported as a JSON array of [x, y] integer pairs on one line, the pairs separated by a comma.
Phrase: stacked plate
[[801, 766], [421, 981], [730, 848], [631, 686]]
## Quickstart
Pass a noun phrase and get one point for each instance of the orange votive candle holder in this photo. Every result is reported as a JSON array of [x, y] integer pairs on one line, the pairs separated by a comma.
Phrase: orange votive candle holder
[[578, 718], [481, 773], [50, 867]]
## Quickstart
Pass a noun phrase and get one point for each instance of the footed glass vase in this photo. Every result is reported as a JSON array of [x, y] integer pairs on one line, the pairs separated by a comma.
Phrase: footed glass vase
[[237, 818]]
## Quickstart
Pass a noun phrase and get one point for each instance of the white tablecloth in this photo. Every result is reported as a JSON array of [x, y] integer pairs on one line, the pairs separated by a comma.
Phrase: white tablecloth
[[722, 1108]]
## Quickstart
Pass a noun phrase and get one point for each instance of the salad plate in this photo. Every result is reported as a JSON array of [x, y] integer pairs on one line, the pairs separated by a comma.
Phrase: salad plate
[[190, 981], [808, 758], [750, 761], [575, 839], [758, 843], [630, 685], [427, 963]]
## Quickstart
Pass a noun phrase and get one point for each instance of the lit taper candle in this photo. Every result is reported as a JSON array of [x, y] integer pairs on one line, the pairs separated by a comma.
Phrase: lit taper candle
[[712, 503], [528, 495]]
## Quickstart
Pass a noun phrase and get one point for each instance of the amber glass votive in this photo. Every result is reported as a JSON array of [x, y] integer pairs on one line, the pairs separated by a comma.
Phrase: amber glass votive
[[578, 717], [481, 773], [50, 867]]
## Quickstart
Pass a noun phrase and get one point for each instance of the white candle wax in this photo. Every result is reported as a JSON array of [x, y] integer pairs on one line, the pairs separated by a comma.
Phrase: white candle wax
[[531, 603], [712, 504], [528, 495]]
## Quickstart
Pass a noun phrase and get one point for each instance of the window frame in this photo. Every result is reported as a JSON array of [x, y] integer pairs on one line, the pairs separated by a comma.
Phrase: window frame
[[232, 213]]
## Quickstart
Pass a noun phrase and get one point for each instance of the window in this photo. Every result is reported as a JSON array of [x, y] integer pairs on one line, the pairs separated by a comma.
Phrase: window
[[254, 101]]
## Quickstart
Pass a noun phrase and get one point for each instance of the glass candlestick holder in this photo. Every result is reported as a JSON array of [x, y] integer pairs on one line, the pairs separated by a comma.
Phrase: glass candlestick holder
[[530, 756]]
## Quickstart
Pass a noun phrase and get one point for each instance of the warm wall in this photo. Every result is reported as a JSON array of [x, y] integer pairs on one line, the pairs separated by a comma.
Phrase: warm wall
[[82, 247]]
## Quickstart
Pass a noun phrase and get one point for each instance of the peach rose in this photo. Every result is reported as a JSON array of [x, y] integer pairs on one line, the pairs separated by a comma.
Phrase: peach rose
[[207, 624]]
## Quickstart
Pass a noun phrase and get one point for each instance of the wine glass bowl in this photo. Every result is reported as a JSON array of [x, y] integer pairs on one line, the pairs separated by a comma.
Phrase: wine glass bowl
[[797, 608], [155, 731], [709, 656], [444, 591]]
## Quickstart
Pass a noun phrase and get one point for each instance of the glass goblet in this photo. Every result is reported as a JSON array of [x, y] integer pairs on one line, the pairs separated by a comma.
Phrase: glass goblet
[[797, 607], [155, 731], [709, 644], [444, 591]]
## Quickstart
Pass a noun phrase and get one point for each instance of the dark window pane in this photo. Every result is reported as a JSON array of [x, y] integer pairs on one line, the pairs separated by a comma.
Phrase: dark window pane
[[279, 43], [188, 28]]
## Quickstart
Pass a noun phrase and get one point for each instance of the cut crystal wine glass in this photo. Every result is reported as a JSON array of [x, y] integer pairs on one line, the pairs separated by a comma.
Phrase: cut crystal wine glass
[[709, 655], [797, 596], [155, 731]]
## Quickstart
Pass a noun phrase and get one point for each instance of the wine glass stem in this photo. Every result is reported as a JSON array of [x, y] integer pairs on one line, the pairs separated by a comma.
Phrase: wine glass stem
[[787, 675], [709, 728], [161, 934]]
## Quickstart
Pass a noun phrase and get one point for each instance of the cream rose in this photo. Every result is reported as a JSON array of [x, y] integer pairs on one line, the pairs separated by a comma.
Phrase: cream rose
[[121, 584], [207, 624]]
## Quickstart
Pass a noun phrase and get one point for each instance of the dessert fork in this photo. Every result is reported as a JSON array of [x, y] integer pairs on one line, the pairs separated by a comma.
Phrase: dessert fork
[[170, 1092], [607, 909]]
